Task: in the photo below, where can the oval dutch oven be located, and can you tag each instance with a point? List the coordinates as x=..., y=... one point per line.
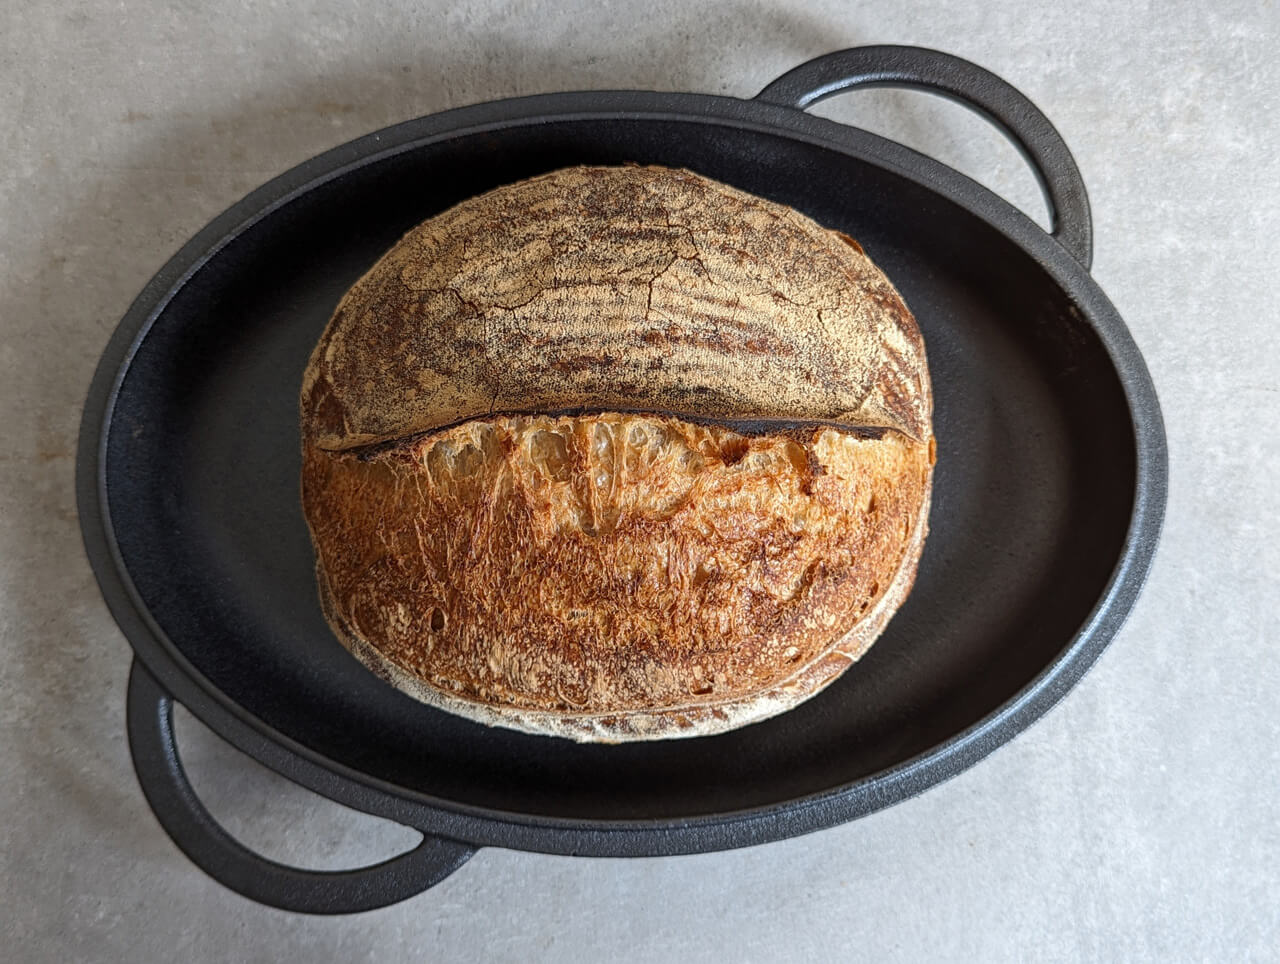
x=1049, y=489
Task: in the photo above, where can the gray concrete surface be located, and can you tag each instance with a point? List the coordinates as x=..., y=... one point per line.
x=1138, y=821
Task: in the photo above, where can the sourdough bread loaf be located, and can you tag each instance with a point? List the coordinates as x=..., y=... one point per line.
x=616, y=453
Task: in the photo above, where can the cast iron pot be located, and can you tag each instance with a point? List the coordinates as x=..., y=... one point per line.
x=1049, y=490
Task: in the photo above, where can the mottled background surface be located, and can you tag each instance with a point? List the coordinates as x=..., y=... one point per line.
x=1137, y=821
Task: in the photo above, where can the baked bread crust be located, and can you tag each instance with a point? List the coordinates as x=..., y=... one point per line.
x=617, y=454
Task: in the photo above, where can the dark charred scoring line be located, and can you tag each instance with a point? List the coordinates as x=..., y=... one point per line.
x=799, y=430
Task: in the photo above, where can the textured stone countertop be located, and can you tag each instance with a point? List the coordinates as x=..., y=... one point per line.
x=1137, y=821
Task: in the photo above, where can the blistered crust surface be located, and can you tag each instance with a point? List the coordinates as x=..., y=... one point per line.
x=613, y=563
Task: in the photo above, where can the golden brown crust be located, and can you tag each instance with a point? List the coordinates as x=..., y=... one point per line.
x=698, y=715
x=616, y=575
x=612, y=565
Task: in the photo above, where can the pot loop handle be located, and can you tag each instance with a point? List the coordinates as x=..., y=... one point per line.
x=974, y=87
x=198, y=835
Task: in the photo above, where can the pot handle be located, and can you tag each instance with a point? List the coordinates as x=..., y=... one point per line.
x=185, y=819
x=976, y=88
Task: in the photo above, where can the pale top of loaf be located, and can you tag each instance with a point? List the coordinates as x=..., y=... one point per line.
x=622, y=289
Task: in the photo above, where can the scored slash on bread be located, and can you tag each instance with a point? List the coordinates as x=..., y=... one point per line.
x=617, y=453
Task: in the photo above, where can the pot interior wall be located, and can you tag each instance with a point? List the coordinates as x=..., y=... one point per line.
x=1033, y=490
